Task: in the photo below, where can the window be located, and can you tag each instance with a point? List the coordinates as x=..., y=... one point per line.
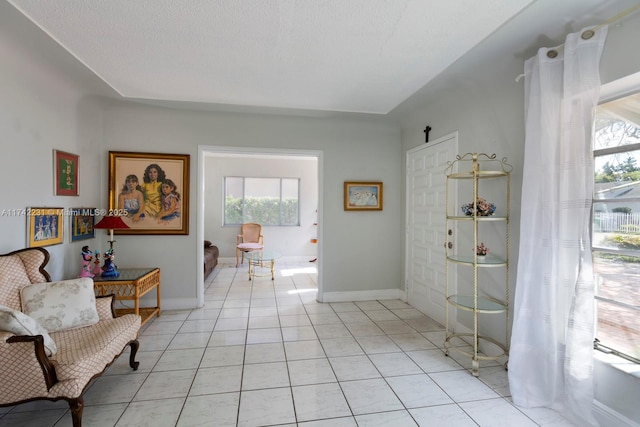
x=616, y=227
x=267, y=201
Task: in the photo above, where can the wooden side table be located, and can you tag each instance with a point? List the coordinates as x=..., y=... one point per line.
x=132, y=284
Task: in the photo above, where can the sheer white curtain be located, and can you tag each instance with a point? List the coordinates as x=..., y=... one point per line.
x=550, y=363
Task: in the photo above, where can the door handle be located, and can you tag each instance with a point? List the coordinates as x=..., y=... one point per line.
x=449, y=245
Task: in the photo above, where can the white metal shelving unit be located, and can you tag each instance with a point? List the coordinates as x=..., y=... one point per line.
x=470, y=170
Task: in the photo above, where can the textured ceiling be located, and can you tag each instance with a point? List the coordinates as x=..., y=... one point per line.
x=329, y=55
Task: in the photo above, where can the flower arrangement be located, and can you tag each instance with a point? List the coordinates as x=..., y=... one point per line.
x=482, y=250
x=484, y=208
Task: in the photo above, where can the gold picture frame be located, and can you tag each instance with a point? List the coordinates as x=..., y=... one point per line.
x=363, y=196
x=137, y=185
x=44, y=226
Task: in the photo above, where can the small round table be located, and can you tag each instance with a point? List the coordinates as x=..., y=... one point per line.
x=262, y=259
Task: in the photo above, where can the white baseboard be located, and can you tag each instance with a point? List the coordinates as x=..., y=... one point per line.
x=361, y=295
x=611, y=418
x=385, y=294
x=291, y=259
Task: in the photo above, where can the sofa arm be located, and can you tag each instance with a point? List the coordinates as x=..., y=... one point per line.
x=25, y=370
x=104, y=305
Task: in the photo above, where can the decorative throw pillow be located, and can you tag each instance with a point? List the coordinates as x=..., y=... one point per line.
x=19, y=323
x=63, y=305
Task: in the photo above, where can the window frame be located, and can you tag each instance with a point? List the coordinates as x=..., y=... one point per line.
x=280, y=200
x=597, y=344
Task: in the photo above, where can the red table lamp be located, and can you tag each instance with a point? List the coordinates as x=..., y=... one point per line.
x=110, y=223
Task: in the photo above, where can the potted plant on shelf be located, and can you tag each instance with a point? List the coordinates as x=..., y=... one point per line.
x=479, y=208
x=481, y=251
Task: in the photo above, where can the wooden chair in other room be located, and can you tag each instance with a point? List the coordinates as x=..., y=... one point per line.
x=250, y=239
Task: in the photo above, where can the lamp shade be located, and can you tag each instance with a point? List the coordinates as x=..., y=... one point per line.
x=111, y=223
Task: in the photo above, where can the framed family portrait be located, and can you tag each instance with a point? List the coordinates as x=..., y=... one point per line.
x=82, y=222
x=65, y=167
x=150, y=191
x=362, y=196
x=44, y=226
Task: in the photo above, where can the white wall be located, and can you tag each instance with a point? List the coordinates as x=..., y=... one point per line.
x=45, y=106
x=42, y=109
x=478, y=97
x=362, y=250
x=289, y=240
x=485, y=106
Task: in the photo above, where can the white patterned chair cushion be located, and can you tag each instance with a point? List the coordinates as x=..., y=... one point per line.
x=84, y=352
x=59, y=306
x=19, y=323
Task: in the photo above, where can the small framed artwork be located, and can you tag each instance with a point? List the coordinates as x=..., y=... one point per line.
x=362, y=196
x=150, y=191
x=82, y=222
x=44, y=226
x=65, y=167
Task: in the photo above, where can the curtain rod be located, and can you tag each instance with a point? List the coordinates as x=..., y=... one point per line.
x=587, y=34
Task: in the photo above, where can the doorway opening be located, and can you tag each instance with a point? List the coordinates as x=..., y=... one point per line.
x=216, y=162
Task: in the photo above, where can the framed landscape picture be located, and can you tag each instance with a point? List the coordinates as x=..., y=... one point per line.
x=44, y=226
x=82, y=222
x=65, y=167
x=150, y=191
x=362, y=196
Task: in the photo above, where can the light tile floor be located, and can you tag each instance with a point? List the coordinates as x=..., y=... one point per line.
x=267, y=354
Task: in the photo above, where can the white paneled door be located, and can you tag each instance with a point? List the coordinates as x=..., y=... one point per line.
x=426, y=202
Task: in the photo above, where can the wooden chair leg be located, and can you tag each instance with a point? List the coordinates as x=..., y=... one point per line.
x=76, y=406
x=132, y=357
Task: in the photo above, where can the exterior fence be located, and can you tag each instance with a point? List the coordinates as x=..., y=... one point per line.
x=605, y=222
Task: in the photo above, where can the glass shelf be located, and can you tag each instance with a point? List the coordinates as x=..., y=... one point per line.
x=477, y=174
x=489, y=260
x=479, y=218
x=485, y=304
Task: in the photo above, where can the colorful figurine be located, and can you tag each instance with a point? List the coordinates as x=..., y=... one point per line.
x=85, y=271
x=97, y=270
x=109, y=268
